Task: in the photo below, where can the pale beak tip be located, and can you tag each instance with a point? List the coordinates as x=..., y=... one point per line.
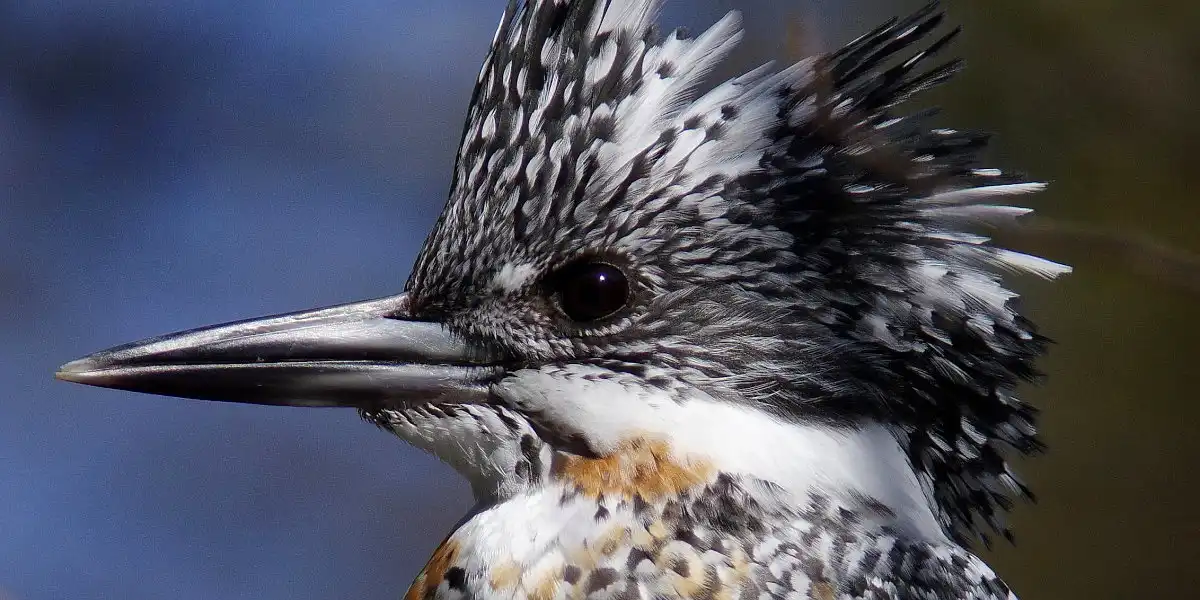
x=83, y=370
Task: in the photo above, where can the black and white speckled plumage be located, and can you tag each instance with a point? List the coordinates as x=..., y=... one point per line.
x=685, y=344
x=728, y=537
x=795, y=249
x=794, y=244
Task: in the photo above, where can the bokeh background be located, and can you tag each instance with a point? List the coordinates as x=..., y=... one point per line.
x=169, y=164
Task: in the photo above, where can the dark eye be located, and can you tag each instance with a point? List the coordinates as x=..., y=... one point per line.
x=588, y=291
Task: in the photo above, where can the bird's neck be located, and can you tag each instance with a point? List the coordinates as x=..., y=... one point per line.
x=780, y=464
x=638, y=440
x=703, y=514
x=649, y=449
x=648, y=522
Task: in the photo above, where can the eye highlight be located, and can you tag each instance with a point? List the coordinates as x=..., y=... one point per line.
x=590, y=290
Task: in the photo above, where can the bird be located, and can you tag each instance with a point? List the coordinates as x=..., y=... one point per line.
x=685, y=338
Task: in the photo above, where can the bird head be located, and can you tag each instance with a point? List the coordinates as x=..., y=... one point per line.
x=774, y=276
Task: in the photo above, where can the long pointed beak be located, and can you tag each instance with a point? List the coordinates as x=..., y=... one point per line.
x=363, y=354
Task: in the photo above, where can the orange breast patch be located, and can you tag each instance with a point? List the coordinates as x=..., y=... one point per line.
x=640, y=467
x=426, y=585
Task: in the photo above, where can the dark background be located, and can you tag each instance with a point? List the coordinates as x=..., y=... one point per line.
x=170, y=164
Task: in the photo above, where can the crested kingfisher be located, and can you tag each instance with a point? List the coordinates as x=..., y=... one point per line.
x=686, y=340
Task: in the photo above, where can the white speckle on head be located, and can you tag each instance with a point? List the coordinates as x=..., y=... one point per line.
x=513, y=276
x=1027, y=263
x=982, y=193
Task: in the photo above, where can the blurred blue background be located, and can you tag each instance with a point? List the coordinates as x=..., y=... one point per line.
x=171, y=164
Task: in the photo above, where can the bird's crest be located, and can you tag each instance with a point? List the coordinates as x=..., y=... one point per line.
x=787, y=205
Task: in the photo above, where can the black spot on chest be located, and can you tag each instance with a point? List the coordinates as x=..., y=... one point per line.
x=456, y=578
x=600, y=579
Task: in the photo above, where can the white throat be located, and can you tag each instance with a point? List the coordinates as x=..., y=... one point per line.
x=846, y=464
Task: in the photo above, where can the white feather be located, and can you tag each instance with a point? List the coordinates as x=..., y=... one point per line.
x=979, y=194
x=845, y=463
